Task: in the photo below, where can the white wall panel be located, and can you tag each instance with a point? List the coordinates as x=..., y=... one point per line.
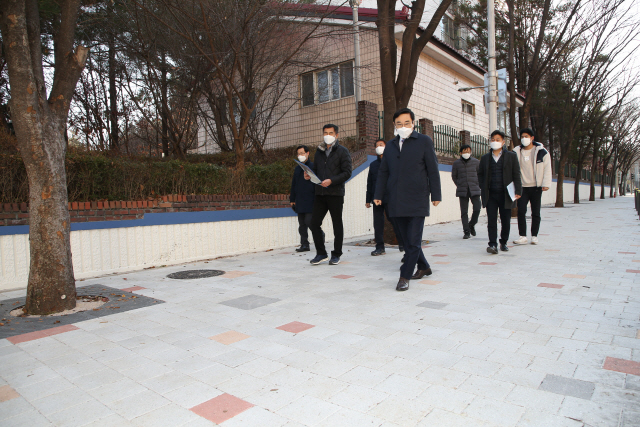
x=103, y=251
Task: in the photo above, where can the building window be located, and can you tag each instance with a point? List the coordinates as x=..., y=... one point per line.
x=453, y=34
x=468, y=108
x=326, y=85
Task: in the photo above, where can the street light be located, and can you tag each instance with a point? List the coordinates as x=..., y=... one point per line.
x=356, y=49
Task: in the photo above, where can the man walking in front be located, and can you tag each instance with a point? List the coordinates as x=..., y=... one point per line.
x=301, y=197
x=409, y=171
x=379, y=212
x=332, y=165
x=464, y=173
x=535, y=170
x=499, y=169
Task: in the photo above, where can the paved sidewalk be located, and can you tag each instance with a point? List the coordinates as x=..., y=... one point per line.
x=540, y=336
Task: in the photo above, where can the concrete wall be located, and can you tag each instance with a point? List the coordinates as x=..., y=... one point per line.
x=109, y=250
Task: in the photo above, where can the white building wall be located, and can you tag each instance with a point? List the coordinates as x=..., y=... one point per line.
x=98, y=252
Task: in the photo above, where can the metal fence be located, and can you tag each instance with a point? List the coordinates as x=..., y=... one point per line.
x=570, y=171
x=479, y=145
x=446, y=140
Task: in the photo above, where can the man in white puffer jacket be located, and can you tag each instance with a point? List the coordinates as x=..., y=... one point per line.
x=535, y=172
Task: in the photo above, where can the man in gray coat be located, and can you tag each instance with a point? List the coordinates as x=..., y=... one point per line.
x=465, y=175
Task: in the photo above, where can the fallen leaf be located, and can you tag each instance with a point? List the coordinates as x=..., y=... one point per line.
x=57, y=321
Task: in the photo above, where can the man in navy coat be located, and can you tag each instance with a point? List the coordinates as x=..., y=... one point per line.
x=302, y=194
x=409, y=170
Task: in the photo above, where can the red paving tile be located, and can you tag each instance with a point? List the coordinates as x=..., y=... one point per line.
x=550, y=285
x=622, y=365
x=7, y=393
x=633, y=271
x=295, y=327
x=342, y=276
x=221, y=408
x=17, y=339
x=133, y=289
x=487, y=263
x=439, y=255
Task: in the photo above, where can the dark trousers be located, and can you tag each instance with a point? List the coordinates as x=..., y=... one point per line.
x=379, y=213
x=495, y=204
x=322, y=205
x=304, y=222
x=464, y=211
x=531, y=195
x=411, y=229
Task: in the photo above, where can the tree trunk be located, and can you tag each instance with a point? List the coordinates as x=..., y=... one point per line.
x=388, y=61
x=512, y=75
x=576, y=185
x=40, y=126
x=592, y=182
x=560, y=183
x=113, y=94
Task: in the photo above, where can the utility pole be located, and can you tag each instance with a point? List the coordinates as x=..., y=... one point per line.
x=356, y=49
x=493, y=84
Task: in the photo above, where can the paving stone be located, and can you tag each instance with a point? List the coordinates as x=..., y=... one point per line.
x=433, y=304
x=249, y=302
x=567, y=386
x=221, y=408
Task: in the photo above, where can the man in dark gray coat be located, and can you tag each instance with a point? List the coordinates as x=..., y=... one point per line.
x=409, y=170
x=499, y=168
x=464, y=173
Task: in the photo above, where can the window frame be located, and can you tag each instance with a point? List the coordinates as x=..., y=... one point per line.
x=465, y=105
x=331, y=74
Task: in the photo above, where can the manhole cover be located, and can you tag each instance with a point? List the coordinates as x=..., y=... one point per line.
x=195, y=274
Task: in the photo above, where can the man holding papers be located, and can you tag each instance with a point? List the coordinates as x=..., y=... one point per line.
x=499, y=177
x=332, y=166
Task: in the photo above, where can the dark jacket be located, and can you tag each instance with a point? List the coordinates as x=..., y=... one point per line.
x=372, y=179
x=302, y=191
x=410, y=176
x=510, y=173
x=465, y=175
x=336, y=167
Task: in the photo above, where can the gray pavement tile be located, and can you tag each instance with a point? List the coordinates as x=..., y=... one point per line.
x=567, y=386
x=249, y=302
x=433, y=304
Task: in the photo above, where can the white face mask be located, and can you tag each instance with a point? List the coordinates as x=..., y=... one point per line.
x=379, y=150
x=496, y=145
x=404, y=132
x=302, y=159
x=466, y=156
x=525, y=142
x=328, y=139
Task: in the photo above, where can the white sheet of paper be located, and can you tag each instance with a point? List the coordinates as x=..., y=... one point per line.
x=512, y=191
x=309, y=172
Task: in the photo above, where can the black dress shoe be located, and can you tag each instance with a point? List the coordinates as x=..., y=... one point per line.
x=504, y=248
x=421, y=273
x=492, y=249
x=467, y=235
x=403, y=285
x=303, y=249
x=472, y=230
x=378, y=252
x=401, y=248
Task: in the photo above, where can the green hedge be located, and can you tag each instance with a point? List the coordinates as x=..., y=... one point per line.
x=95, y=176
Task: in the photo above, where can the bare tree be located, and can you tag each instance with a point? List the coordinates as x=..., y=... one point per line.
x=398, y=80
x=40, y=125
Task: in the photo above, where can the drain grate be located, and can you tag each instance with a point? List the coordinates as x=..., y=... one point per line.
x=195, y=274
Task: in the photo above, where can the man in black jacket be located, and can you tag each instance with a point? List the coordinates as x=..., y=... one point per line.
x=332, y=165
x=301, y=197
x=379, y=211
x=498, y=169
x=464, y=173
x=409, y=170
